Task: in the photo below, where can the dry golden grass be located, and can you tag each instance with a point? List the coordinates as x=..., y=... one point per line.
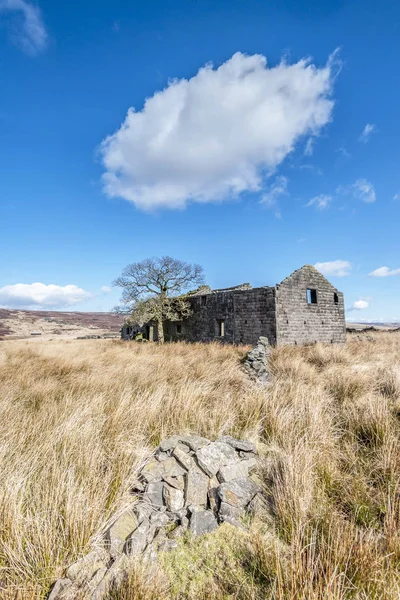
x=78, y=417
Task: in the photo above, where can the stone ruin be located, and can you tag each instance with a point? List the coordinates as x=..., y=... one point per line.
x=256, y=361
x=189, y=484
x=304, y=308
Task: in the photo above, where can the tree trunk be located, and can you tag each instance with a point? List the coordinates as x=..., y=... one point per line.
x=160, y=331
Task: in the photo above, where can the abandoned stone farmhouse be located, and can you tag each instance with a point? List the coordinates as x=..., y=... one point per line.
x=303, y=309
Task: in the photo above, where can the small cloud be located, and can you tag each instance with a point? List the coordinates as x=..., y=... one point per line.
x=335, y=268
x=321, y=202
x=360, y=305
x=29, y=32
x=106, y=289
x=344, y=152
x=40, y=295
x=116, y=26
x=277, y=189
x=362, y=189
x=368, y=129
x=396, y=196
x=309, y=149
x=384, y=272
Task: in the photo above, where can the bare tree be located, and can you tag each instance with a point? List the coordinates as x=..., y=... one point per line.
x=154, y=290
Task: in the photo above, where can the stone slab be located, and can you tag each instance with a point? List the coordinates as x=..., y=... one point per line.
x=214, y=456
x=238, y=492
x=202, y=522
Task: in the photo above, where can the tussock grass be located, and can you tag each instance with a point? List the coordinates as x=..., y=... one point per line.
x=77, y=419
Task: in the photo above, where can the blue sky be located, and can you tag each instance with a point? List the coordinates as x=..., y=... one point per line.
x=283, y=151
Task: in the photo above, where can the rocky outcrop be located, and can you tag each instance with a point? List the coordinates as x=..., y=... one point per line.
x=256, y=361
x=190, y=483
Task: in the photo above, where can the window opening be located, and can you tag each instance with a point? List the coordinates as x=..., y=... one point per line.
x=178, y=328
x=203, y=300
x=311, y=296
x=335, y=298
x=221, y=328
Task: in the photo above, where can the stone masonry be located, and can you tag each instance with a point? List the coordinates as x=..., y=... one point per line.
x=303, y=309
x=190, y=484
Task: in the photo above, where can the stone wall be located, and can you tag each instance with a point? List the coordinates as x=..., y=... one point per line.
x=255, y=316
x=190, y=483
x=208, y=311
x=246, y=315
x=299, y=322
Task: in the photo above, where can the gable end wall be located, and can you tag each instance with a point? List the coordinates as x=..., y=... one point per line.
x=301, y=323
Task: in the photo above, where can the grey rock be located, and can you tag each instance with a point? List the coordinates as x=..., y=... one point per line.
x=180, y=514
x=58, y=588
x=184, y=459
x=159, y=519
x=159, y=538
x=258, y=365
x=119, y=531
x=250, y=463
x=167, y=545
x=152, y=470
x=183, y=447
x=161, y=456
x=196, y=490
x=230, y=514
x=96, y=579
x=233, y=471
x=259, y=505
x=214, y=456
x=137, y=541
x=195, y=442
x=177, y=532
x=144, y=511
x=238, y=444
x=154, y=494
x=173, y=498
x=202, y=522
x=171, y=468
x=169, y=443
x=84, y=568
x=175, y=482
x=238, y=492
x=114, y=575
x=156, y=471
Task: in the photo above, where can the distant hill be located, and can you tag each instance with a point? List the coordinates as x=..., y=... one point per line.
x=54, y=324
x=373, y=324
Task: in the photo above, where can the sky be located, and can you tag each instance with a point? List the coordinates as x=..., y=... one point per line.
x=248, y=136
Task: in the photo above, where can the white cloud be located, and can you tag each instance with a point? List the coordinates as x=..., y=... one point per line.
x=336, y=268
x=321, y=202
x=384, y=272
x=362, y=189
x=276, y=190
x=368, y=129
x=218, y=134
x=309, y=147
x=360, y=305
x=29, y=32
x=39, y=295
x=106, y=289
x=396, y=196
